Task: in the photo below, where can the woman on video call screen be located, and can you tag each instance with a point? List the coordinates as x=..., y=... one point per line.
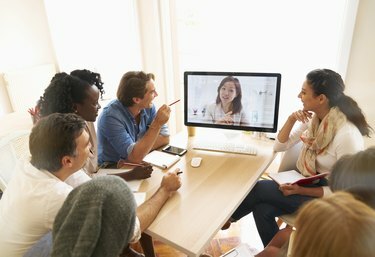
x=227, y=109
x=242, y=100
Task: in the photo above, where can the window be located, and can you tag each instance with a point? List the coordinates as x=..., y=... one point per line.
x=291, y=37
x=101, y=36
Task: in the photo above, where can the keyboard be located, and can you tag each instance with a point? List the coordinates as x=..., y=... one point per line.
x=227, y=147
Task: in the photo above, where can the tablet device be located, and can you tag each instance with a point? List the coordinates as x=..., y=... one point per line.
x=174, y=150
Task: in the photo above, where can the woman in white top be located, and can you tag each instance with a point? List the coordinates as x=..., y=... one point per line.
x=332, y=126
x=227, y=110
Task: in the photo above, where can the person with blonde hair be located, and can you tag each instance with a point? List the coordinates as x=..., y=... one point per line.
x=338, y=225
x=353, y=173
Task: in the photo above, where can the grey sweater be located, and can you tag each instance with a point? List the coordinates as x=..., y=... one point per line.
x=97, y=219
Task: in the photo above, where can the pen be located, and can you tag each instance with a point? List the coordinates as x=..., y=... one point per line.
x=174, y=102
x=131, y=164
x=178, y=173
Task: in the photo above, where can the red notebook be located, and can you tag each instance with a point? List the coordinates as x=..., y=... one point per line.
x=294, y=177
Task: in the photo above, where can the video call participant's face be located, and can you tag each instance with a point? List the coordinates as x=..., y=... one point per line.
x=150, y=95
x=227, y=92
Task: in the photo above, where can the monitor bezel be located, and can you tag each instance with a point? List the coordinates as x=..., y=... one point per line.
x=220, y=73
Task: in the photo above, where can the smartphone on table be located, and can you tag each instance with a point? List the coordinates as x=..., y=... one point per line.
x=174, y=150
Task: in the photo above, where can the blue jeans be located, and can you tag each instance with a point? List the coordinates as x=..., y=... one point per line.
x=267, y=202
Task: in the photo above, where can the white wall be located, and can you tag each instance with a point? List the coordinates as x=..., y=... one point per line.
x=24, y=39
x=360, y=77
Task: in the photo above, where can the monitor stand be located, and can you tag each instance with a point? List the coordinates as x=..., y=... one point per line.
x=259, y=135
x=231, y=134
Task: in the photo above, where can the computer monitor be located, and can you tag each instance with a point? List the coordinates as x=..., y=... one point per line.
x=232, y=100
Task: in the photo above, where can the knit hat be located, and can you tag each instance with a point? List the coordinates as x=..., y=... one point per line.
x=96, y=219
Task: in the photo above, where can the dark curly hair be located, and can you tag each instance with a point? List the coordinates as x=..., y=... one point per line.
x=92, y=78
x=62, y=93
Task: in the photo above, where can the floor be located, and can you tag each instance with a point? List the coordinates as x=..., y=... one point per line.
x=244, y=231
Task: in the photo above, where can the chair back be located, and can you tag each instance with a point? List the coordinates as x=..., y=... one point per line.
x=289, y=162
x=14, y=147
x=290, y=157
x=15, y=121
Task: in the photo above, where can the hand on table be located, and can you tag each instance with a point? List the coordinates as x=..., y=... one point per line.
x=171, y=181
x=140, y=172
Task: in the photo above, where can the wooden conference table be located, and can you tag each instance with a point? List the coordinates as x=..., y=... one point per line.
x=209, y=194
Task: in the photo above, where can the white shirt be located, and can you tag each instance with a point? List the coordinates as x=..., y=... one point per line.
x=29, y=206
x=215, y=113
x=348, y=140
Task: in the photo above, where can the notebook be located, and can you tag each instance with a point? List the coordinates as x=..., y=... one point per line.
x=294, y=177
x=161, y=159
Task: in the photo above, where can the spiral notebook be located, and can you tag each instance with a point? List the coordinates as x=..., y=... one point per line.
x=161, y=159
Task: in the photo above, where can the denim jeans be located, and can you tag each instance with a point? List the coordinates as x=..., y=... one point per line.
x=267, y=202
x=42, y=248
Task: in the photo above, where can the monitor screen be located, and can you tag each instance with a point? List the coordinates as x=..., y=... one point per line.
x=232, y=100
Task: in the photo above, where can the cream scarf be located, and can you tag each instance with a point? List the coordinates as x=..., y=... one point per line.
x=317, y=138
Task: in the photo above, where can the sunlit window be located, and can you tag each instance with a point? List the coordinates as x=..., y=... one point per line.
x=98, y=35
x=290, y=37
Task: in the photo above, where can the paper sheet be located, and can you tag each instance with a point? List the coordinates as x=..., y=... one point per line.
x=140, y=197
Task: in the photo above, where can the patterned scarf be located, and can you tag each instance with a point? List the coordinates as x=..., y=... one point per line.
x=317, y=138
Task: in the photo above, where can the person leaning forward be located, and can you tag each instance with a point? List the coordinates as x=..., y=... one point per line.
x=130, y=127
